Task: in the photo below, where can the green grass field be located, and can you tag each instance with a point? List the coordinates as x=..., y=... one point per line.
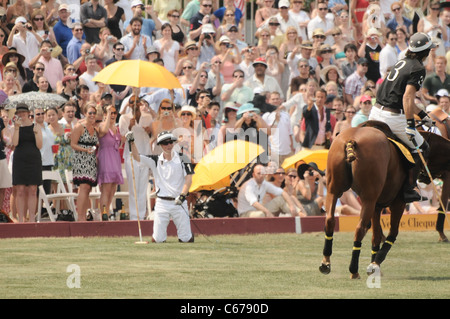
x=264, y=266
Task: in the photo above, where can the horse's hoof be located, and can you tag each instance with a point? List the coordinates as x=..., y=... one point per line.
x=325, y=268
x=355, y=276
x=443, y=239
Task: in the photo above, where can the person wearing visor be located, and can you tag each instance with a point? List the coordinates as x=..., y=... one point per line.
x=173, y=178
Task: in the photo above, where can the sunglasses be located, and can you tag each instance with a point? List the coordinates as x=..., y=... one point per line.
x=173, y=16
x=38, y=114
x=319, y=36
x=323, y=9
x=280, y=173
x=120, y=49
x=396, y=9
x=292, y=176
x=38, y=19
x=70, y=69
x=39, y=69
x=187, y=67
x=207, y=5
x=92, y=113
x=186, y=114
x=166, y=108
x=166, y=143
x=350, y=112
x=274, y=24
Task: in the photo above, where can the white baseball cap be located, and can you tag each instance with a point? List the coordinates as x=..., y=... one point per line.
x=20, y=20
x=135, y=3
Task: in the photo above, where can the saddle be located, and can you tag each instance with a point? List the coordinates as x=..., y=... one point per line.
x=401, y=147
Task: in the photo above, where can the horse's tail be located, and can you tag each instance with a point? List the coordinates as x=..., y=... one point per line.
x=350, y=151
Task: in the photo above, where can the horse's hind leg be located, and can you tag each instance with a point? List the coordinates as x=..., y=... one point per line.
x=330, y=223
x=367, y=212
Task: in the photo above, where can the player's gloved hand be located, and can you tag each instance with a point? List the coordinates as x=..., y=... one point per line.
x=129, y=136
x=427, y=121
x=411, y=132
x=180, y=199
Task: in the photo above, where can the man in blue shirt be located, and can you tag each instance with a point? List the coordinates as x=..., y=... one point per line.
x=148, y=25
x=63, y=33
x=74, y=45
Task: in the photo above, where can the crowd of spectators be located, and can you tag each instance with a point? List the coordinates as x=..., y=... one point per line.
x=310, y=70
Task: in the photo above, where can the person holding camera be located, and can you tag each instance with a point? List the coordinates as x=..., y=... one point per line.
x=53, y=68
x=370, y=49
x=229, y=58
x=310, y=188
x=25, y=40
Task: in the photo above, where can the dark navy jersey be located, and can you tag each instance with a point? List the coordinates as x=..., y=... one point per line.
x=404, y=72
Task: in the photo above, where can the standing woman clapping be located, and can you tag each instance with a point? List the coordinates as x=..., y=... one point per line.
x=109, y=161
x=27, y=163
x=84, y=142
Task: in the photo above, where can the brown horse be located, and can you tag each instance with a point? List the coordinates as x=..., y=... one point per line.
x=362, y=158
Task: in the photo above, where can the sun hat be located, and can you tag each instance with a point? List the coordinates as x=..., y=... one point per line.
x=190, y=109
x=247, y=107
x=302, y=168
x=12, y=51
x=22, y=107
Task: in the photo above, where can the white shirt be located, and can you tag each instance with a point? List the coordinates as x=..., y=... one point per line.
x=154, y=99
x=280, y=138
x=139, y=52
x=298, y=17
x=87, y=78
x=325, y=25
x=48, y=139
x=251, y=193
x=141, y=137
x=388, y=57
x=270, y=84
x=28, y=48
x=169, y=175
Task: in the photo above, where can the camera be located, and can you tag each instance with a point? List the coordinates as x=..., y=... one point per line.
x=229, y=45
x=87, y=51
x=311, y=173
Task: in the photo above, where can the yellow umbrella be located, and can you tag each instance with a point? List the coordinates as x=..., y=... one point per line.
x=214, y=169
x=137, y=73
x=319, y=157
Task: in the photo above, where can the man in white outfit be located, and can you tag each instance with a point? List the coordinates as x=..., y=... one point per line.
x=139, y=123
x=173, y=178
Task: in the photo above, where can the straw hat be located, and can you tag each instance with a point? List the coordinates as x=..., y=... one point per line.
x=190, y=109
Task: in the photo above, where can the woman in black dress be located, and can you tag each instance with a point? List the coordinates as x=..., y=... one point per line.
x=115, y=14
x=27, y=163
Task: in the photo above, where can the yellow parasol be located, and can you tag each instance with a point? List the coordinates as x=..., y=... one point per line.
x=318, y=156
x=137, y=73
x=214, y=169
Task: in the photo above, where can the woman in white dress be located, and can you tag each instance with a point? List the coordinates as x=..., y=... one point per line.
x=168, y=48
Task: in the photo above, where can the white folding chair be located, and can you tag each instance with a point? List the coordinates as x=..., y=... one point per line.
x=56, y=198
